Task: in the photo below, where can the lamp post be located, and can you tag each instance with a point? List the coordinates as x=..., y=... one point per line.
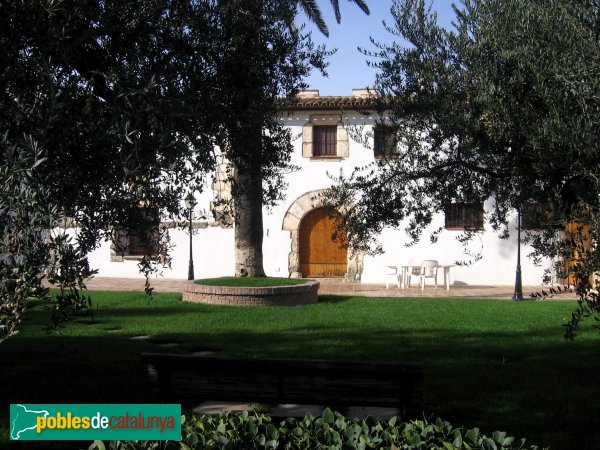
x=190, y=202
x=518, y=294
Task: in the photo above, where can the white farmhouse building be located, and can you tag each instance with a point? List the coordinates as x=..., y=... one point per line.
x=322, y=144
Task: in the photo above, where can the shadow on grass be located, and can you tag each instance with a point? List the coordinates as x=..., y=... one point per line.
x=529, y=383
x=493, y=381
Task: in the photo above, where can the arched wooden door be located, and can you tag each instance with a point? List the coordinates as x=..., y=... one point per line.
x=320, y=255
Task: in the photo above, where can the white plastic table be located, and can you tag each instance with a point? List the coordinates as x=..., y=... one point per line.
x=446, y=268
x=403, y=271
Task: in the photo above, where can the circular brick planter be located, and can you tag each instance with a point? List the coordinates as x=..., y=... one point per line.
x=299, y=294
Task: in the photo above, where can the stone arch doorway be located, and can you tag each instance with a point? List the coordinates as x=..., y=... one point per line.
x=320, y=255
x=291, y=222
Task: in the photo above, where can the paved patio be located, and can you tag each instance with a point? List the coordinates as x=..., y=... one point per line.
x=336, y=287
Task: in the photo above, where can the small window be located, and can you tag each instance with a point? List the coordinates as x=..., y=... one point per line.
x=462, y=216
x=384, y=140
x=141, y=237
x=325, y=140
x=139, y=241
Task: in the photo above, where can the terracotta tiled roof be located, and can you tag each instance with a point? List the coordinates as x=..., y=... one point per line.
x=330, y=103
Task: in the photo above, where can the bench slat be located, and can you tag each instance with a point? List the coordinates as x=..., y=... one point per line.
x=362, y=383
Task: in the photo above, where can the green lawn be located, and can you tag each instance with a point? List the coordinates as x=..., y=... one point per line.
x=492, y=364
x=249, y=281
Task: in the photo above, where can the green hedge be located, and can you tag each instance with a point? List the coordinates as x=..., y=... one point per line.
x=330, y=431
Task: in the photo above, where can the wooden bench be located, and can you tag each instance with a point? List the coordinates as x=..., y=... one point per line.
x=189, y=379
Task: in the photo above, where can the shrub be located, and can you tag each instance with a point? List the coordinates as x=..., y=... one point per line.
x=330, y=431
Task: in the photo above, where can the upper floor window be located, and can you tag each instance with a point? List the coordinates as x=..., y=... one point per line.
x=325, y=140
x=464, y=216
x=384, y=140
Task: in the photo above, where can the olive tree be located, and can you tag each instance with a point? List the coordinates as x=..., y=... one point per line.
x=262, y=64
x=112, y=110
x=504, y=105
x=104, y=107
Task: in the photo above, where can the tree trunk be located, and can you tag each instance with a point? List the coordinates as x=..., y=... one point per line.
x=248, y=224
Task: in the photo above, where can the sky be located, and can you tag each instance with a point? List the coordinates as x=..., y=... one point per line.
x=348, y=68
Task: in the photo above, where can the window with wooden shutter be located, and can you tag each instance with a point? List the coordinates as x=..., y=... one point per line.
x=463, y=216
x=384, y=140
x=141, y=237
x=324, y=140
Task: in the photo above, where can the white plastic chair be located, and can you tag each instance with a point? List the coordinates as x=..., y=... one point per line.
x=393, y=276
x=429, y=269
x=413, y=271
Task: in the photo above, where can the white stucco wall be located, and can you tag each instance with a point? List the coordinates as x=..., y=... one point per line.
x=497, y=265
x=213, y=246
